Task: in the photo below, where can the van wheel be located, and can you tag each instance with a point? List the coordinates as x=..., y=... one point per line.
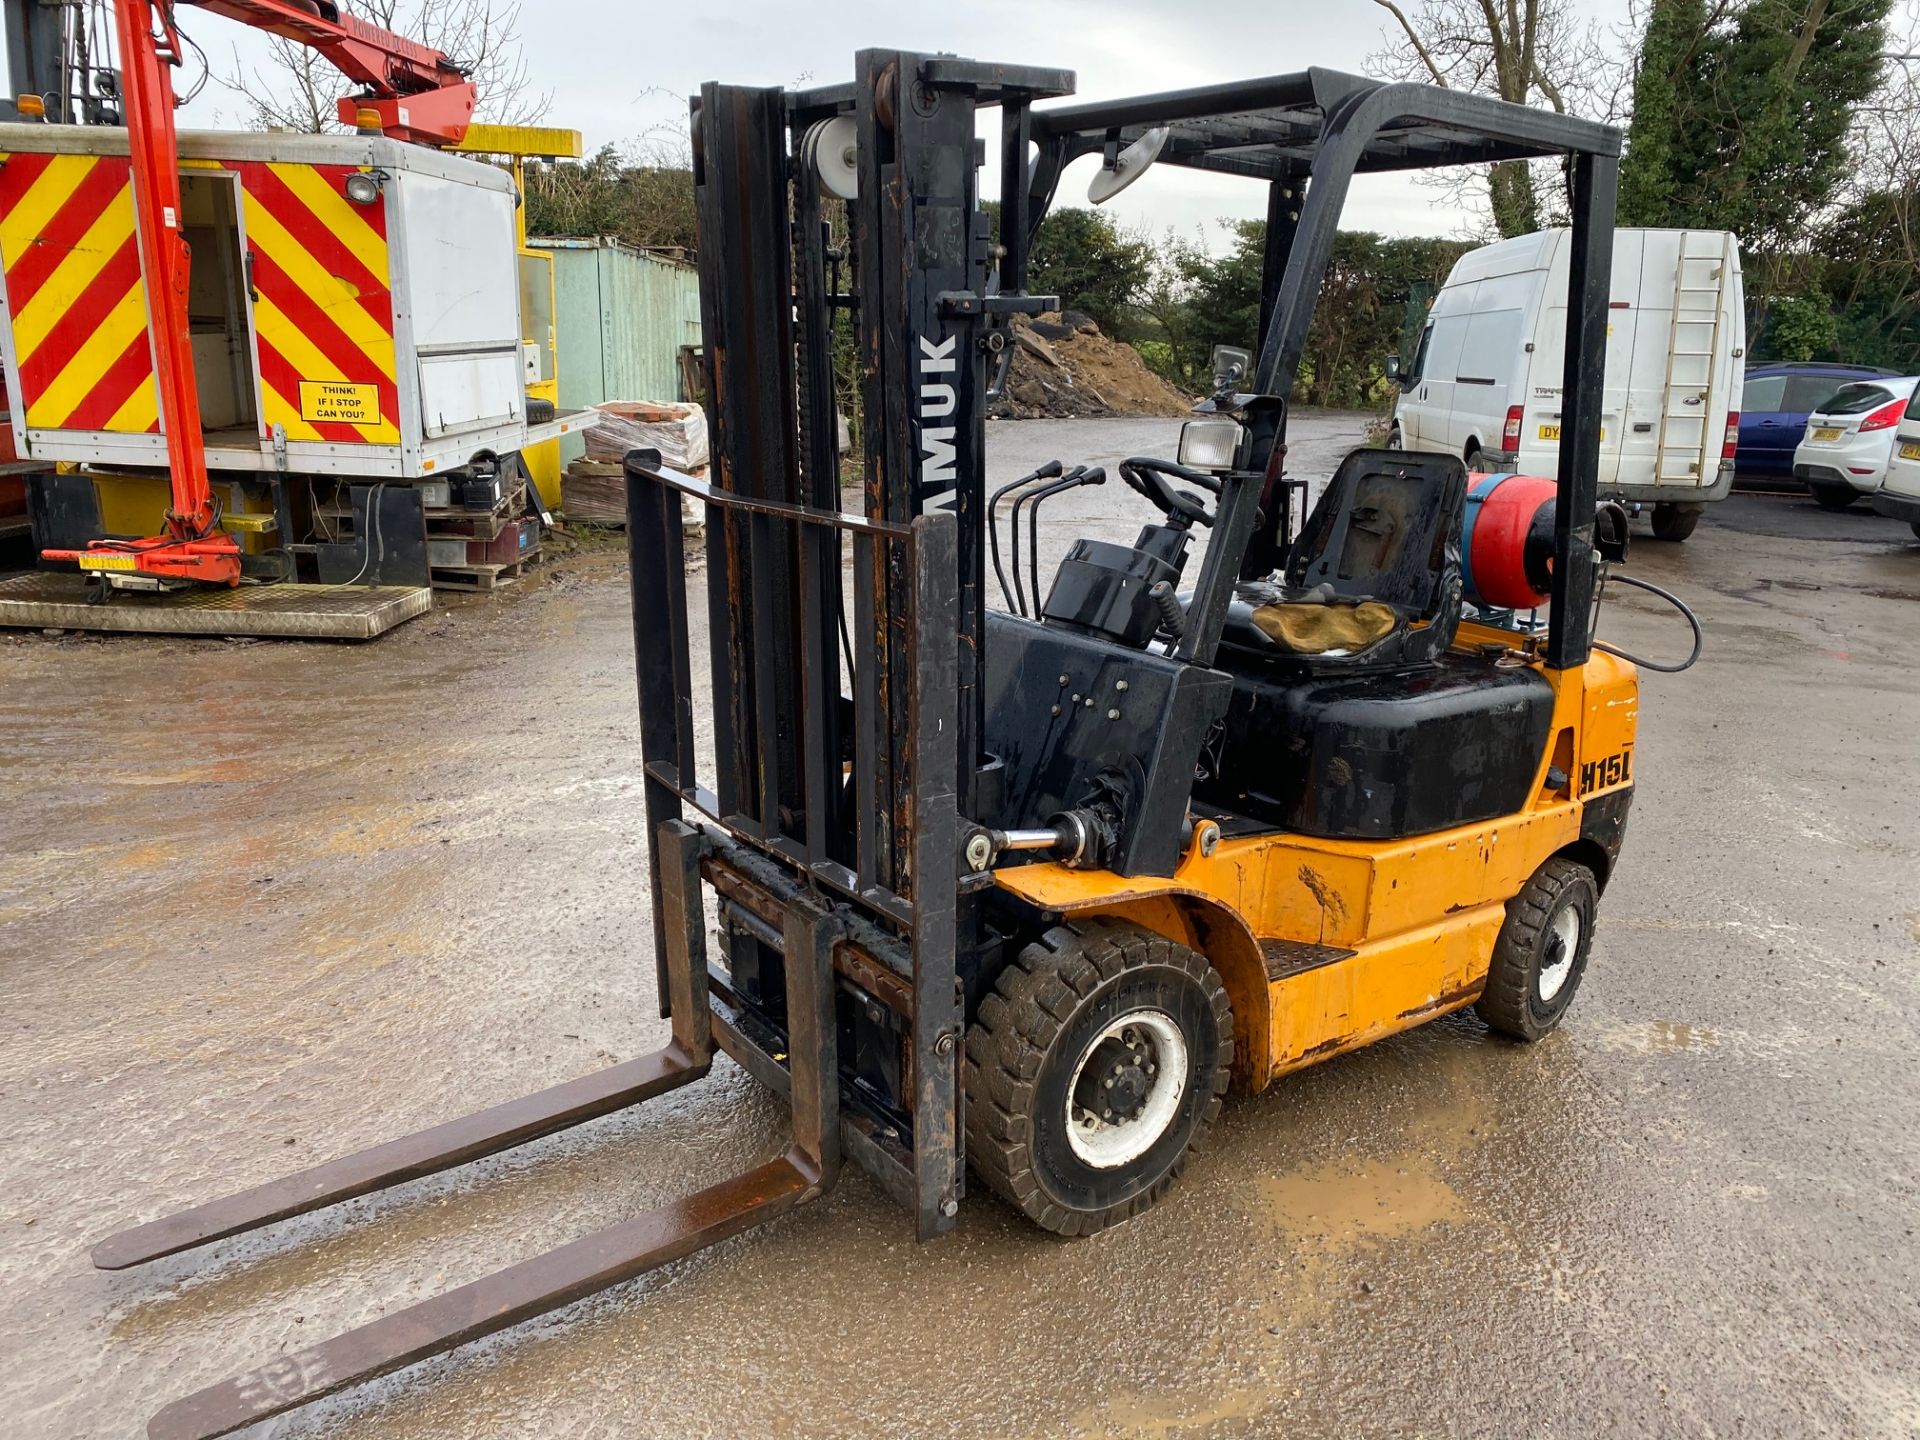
x=1915, y=527
x=1094, y=1070
x=1833, y=497
x=1393, y=438
x=1675, y=522
x=1476, y=462
x=1542, y=951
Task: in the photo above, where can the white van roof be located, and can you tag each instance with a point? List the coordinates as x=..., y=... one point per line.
x=1506, y=257
x=1528, y=252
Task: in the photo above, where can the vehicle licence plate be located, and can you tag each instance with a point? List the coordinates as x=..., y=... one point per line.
x=1552, y=432
x=1825, y=432
x=1910, y=449
x=106, y=562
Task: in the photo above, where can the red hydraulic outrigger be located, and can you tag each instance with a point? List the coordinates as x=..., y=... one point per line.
x=412, y=92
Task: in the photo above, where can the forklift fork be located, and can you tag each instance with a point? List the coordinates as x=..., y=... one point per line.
x=583, y=1267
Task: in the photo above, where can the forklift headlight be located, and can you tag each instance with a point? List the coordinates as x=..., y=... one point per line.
x=1209, y=444
x=363, y=187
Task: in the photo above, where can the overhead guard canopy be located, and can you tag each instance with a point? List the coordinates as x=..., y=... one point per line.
x=1272, y=127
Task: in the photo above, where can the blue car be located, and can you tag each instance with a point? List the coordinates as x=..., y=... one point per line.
x=1774, y=406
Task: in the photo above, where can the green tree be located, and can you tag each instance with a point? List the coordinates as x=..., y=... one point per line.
x=1374, y=284
x=1868, y=263
x=1801, y=327
x=1083, y=258
x=1763, y=104
x=643, y=197
x=1223, y=292
x=1676, y=29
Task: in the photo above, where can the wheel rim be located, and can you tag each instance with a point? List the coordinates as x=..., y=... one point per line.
x=1126, y=1089
x=1563, y=943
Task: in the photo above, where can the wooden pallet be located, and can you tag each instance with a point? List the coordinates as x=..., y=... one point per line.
x=482, y=578
x=448, y=523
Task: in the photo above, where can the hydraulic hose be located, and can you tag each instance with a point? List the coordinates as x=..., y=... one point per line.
x=1678, y=604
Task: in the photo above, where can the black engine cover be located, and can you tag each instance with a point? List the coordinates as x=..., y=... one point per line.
x=1381, y=756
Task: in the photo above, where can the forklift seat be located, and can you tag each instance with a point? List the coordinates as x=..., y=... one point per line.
x=1383, y=541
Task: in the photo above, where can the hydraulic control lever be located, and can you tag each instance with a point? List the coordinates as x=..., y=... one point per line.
x=1079, y=475
x=1049, y=471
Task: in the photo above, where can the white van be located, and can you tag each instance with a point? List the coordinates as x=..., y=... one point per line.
x=1484, y=383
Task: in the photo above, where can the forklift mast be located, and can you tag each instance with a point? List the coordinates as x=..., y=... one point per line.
x=850, y=782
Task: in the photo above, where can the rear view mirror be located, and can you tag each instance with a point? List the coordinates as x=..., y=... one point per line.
x=1230, y=364
x=1393, y=368
x=1209, y=444
x=1610, y=531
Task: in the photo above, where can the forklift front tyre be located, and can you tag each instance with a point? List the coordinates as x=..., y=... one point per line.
x=1095, y=1069
x=1542, y=951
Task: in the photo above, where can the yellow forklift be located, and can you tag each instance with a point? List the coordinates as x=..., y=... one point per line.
x=1028, y=895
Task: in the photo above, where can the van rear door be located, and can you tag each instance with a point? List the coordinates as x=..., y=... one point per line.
x=1540, y=429
x=1698, y=271
x=1640, y=322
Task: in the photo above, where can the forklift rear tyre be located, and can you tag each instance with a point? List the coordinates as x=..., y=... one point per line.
x=1094, y=1070
x=1542, y=951
x=1674, y=522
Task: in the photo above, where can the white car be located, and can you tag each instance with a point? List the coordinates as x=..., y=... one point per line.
x=1899, y=494
x=1844, y=453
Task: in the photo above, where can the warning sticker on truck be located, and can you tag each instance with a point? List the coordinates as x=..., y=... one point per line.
x=340, y=402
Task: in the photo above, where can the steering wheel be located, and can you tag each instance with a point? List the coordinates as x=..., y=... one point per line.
x=1151, y=478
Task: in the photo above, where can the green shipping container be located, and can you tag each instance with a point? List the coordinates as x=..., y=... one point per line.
x=620, y=317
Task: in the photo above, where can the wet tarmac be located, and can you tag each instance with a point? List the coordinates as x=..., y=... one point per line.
x=263, y=903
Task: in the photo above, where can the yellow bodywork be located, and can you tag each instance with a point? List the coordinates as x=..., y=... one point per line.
x=518, y=144
x=1419, y=915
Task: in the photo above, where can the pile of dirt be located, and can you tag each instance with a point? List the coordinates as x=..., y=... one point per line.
x=1064, y=367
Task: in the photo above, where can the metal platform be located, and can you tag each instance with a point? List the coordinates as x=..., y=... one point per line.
x=305, y=612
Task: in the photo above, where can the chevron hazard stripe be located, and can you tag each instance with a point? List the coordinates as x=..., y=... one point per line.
x=323, y=316
x=78, y=308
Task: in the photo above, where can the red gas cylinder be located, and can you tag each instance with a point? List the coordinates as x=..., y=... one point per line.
x=1506, y=545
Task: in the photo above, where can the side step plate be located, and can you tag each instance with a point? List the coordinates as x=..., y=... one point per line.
x=496, y=1302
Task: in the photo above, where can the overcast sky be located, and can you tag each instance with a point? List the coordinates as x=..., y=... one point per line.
x=616, y=70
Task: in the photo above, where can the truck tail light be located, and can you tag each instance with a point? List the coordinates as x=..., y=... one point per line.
x=1732, y=443
x=1510, y=432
